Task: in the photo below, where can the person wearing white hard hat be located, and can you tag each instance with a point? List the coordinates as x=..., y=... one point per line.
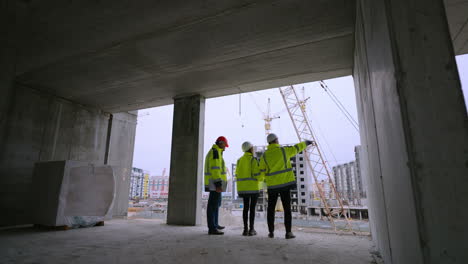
x=275, y=164
x=248, y=181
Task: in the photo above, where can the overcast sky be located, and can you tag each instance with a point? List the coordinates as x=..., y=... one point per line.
x=240, y=118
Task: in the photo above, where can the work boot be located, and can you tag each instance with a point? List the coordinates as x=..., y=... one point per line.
x=220, y=227
x=252, y=232
x=271, y=235
x=245, y=233
x=215, y=232
x=289, y=235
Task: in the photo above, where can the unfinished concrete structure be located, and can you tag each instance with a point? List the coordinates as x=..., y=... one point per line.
x=71, y=71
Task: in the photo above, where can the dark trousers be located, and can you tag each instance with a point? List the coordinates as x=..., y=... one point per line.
x=212, y=210
x=250, y=202
x=286, y=200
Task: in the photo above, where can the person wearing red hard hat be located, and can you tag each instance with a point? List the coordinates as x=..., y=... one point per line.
x=222, y=139
x=215, y=183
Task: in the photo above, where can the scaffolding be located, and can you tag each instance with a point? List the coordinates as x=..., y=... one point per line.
x=319, y=170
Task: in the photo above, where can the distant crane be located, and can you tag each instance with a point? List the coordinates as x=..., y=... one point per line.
x=267, y=117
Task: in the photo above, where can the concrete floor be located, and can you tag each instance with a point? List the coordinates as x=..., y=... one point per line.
x=152, y=241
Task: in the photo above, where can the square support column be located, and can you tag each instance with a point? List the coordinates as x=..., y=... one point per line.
x=414, y=129
x=186, y=170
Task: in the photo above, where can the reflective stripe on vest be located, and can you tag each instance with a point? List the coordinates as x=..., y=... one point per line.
x=284, y=158
x=266, y=163
x=278, y=172
x=223, y=167
x=246, y=179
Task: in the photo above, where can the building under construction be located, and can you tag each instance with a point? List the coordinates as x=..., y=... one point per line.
x=73, y=73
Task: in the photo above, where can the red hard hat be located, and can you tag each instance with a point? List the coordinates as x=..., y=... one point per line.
x=223, y=139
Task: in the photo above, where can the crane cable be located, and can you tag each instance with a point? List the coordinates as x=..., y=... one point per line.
x=320, y=134
x=340, y=106
x=343, y=107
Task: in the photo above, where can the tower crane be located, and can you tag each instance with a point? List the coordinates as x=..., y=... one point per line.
x=267, y=117
x=319, y=170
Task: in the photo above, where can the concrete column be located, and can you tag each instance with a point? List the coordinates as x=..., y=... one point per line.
x=185, y=182
x=414, y=130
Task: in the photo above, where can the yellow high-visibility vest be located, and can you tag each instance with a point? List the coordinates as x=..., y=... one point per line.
x=248, y=177
x=276, y=167
x=215, y=169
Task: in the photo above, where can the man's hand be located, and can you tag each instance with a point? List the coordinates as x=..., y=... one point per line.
x=310, y=142
x=218, y=189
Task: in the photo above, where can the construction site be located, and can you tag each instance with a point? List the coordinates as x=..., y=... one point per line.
x=78, y=79
x=314, y=198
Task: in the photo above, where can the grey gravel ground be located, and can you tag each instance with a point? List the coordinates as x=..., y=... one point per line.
x=152, y=241
x=234, y=218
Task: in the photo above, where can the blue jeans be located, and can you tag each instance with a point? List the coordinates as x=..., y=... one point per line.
x=212, y=210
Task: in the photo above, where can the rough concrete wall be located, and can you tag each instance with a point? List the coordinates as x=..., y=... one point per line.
x=41, y=127
x=7, y=61
x=120, y=157
x=393, y=205
x=436, y=125
x=370, y=162
x=414, y=128
x=390, y=191
x=9, y=30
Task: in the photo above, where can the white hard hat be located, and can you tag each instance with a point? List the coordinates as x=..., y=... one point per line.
x=246, y=146
x=271, y=137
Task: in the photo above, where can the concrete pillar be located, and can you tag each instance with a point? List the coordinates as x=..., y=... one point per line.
x=186, y=170
x=414, y=131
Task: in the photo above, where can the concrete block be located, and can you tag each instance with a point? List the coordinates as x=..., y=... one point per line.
x=71, y=193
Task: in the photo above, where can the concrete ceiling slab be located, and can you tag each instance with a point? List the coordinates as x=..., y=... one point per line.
x=119, y=55
x=56, y=31
x=256, y=43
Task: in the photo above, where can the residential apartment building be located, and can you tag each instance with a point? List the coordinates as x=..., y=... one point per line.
x=139, y=182
x=159, y=187
x=348, y=181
